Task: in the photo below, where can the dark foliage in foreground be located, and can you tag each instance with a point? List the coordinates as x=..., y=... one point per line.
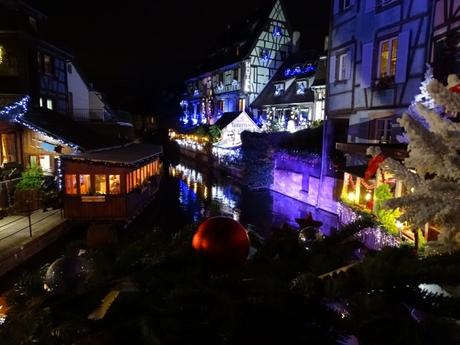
x=280, y=296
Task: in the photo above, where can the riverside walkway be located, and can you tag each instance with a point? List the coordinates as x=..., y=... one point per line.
x=19, y=241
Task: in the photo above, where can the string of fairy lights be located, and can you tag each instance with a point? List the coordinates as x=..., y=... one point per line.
x=16, y=111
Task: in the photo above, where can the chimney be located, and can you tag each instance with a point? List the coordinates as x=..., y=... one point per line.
x=295, y=41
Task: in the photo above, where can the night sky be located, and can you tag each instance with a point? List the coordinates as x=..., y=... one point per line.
x=139, y=52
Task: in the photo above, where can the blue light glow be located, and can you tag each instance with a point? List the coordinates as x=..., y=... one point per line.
x=276, y=31
x=298, y=70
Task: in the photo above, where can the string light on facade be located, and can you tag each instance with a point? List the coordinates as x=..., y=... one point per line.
x=17, y=110
x=368, y=196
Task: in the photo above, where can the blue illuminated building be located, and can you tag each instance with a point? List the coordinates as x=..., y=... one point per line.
x=235, y=73
x=377, y=57
x=294, y=98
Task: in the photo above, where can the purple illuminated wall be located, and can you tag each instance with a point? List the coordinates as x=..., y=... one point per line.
x=300, y=180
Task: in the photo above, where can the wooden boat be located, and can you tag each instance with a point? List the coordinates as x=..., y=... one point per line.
x=110, y=184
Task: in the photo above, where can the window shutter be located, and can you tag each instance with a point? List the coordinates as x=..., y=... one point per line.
x=403, y=56
x=370, y=6
x=366, y=65
x=336, y=6
x=332, y=68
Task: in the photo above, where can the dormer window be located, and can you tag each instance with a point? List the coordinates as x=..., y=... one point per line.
x=301, y=87
x=279, y=89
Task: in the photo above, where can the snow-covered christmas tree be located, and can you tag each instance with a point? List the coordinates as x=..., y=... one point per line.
x=432, y=171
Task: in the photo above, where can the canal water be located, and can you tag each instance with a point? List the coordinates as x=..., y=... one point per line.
x=190, y=193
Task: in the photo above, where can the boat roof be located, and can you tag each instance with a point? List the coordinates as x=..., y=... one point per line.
x=131, y=154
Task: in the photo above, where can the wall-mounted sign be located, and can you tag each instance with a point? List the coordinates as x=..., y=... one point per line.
x=93, y=198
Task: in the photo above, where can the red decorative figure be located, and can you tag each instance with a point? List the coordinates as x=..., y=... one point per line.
x=455, y=88
x=222, y=242
x=373, y=164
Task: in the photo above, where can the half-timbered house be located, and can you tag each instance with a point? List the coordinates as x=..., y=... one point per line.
x=445, y=48
x=294, y=98
x=378, y=51
x=235, y=74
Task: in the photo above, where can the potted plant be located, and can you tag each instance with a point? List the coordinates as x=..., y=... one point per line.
x=28, y=190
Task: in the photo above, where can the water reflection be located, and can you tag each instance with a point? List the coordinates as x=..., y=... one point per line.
x=204, y=194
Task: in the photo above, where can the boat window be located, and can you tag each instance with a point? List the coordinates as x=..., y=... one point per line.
x=71, y=184
x=85, y=184
x=114, y=182
x=101, y=184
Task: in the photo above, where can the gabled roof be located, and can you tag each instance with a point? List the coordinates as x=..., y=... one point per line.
x=302, y=60
x=238, y=41
x=64, y=128
x=227, y=118
x=130, y=154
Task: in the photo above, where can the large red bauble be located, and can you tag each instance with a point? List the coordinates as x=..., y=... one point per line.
x=222, y=241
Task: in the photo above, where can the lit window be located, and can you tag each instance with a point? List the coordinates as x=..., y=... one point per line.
x=128, y=184
x=8, y=147
x=279, y=89
x=301, y=87
x=114, y=183
x=45, y=162
x=341, y=71
x=2, y=55
x=85, y=184
x=241, y=104
x=387, y=57
x=41, y=102
x=47, y=64
x=49, y=104
x=383, y=130
x=100, y=184
x=137, y=177
x=71, y=184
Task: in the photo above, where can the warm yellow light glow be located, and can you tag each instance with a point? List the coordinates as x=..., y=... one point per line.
x=2, y=55
x=412, y=189
x=351, y=196
x=368, y=196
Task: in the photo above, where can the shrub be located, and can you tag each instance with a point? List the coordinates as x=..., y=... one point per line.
x=32, y=178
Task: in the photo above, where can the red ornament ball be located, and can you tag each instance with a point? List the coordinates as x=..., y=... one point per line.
x=222, y=241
